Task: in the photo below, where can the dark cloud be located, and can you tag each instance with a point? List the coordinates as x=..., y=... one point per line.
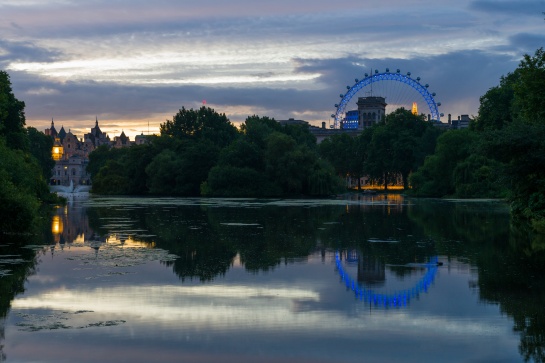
x=25, y=51
x=459, y=79
x=527, y=43
x=510, y=7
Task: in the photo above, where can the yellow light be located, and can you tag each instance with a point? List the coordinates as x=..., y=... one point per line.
x=56, y=225
x=415, y=108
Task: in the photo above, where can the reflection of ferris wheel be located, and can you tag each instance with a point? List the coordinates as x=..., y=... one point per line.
x=399, y=91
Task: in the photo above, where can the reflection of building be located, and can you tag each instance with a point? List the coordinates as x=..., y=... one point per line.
x=371, y=271
x=70, y=225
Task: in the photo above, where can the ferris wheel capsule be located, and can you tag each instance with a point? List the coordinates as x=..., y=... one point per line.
x=332, y=115
x=336, y=105
x=418, y=79
x=341, y=95
x=348, y=87
x=427, y=85
x=366, y=75
x=438, y=103
x=357, y=80
x=387, y=70
x=442, y=114
x=398, y=71
x=409, y=74
x=433, y=94
x=376, y=71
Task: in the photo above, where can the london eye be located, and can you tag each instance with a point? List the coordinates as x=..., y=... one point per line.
x=398, y=90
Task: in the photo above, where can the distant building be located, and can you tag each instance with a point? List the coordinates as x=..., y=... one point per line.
x=121, y=141
x=462, y=122
x=292, y=121
x=71, y=154
x=371, y=110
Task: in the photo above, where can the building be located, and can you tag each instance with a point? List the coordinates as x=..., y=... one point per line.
x=462, y=122
x=371, y=110
x=71, y=154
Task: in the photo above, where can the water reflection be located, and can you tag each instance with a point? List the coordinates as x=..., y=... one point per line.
x=70, y=227
x=266, y=268
x=371, y=273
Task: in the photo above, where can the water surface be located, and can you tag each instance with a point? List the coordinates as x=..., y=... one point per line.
x=359, y=278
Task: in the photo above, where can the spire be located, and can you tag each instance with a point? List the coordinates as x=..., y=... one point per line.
x=415, y=109
x=96, y=121
x=52, y=123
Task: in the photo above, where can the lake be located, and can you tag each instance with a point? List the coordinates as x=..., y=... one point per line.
x=359, y=278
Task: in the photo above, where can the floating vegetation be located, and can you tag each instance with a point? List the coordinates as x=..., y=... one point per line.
x=9, y=260
x=114, y=256
x=35, y=248
x=63, y=320
x=376, y=240
x=165, y=203
x=241, y=224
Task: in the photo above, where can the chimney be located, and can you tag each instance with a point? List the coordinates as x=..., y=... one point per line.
x=449, y=119
x=323, y=124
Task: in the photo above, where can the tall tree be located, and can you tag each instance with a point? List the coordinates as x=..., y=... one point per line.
x=530, y=90
x=12, y=115
x=40, y=147
x=202, y=123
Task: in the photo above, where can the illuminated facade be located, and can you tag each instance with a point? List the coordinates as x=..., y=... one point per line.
x=415, y=109
x=371, y=110
x=71, y=154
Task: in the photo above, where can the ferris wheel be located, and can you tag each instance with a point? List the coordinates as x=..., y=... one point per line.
x=398, y=90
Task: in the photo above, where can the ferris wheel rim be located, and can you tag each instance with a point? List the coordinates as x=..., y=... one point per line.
x=387, y=76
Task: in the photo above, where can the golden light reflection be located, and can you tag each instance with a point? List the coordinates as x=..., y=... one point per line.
x=128, y=241
x=57, y=226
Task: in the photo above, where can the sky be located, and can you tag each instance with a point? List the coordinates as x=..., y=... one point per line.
x=133, y=63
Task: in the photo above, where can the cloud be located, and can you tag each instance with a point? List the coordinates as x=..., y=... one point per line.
x=458, y=78
x=524, y=42
x=11, y=51
x=510, y=7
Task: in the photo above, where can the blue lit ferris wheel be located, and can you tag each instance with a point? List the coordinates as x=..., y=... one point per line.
x=399, y=90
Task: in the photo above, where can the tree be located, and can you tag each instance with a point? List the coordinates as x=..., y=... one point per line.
x=496, y=105
x=521, y=148
x=436, y=177
x=344, y=153
x=529, y=91
x=202, y=123
x=22, y=188
x=379, y=162
x=40, y=148
x=12, y=115
x=111, y=179
x=270, y=160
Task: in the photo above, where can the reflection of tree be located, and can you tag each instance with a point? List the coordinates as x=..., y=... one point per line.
x=510, y=262
x=14, y=284
x=512, y=277
x=2, y=337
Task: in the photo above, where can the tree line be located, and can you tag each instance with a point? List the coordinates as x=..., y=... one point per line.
x=25, y=165
x=200, y=152
x=502, y=154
